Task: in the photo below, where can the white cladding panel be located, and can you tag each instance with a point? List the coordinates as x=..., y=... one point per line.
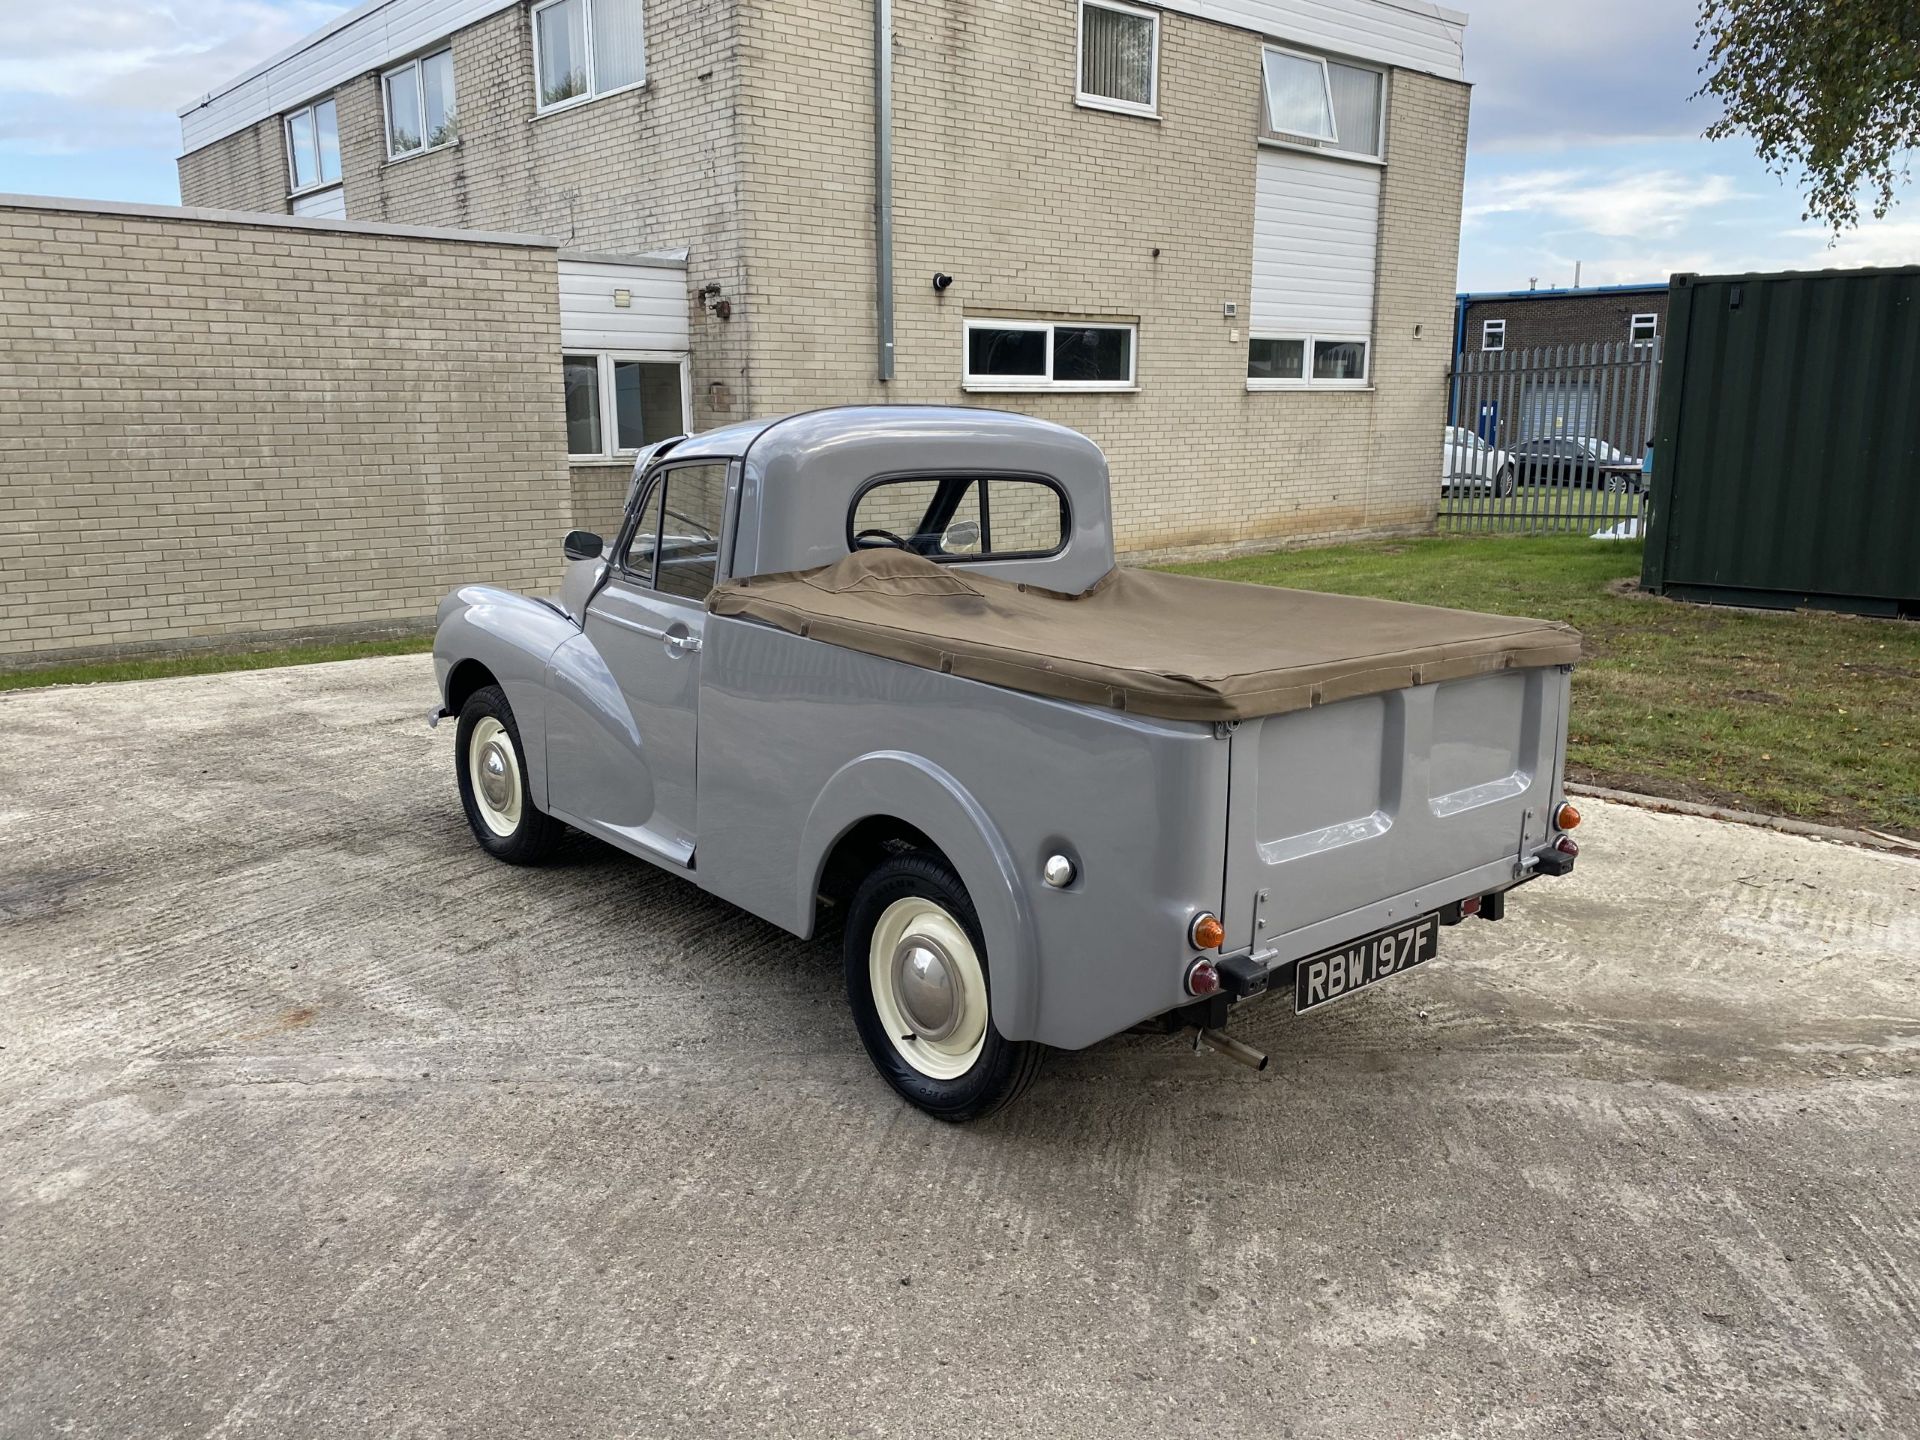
x=655, y=317
x=1406, y=33
x=328, y=204
x=363, y=39
x=1316, y=231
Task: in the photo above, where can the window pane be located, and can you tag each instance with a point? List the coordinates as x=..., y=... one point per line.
x=1023, y=517
x=646, y=403
x=436, y=78
x=642, y=547
x=327, y=126
x=403, y=111
x=300, y=149
x=1339, y=360
x=619, y=49
x=1276, y=359
x=960, y=517
x=583, y=404
x=1356, y=107
x=690, y=530
x=1088, y=353
x=1297, y=96
x=561, y=32
x=1020, y=353
x=1116, y=55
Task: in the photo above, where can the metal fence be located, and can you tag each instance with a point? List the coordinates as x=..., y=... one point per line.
x=1549, y=439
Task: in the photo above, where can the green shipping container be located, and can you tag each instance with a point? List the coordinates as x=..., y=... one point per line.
x=1786, y=465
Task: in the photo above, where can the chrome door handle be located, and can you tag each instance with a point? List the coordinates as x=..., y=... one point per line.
x=684, y=643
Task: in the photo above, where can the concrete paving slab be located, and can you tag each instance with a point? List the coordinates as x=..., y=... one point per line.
x=316, y=1121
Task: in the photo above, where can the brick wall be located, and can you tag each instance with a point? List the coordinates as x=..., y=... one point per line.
x=1038, y=207
x=655, y=168
x=222, y=428
x=1547, y=319
x=751, y=145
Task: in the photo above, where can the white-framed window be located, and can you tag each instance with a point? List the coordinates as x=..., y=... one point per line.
x=1493, y=335
x=1643, y=329
x=1323, y=104
x=1119, y=58
x=618, y=401
x=1307, y=362
x=313, y=146
x=420, y=107
x=583, y=49
x=1049, y=355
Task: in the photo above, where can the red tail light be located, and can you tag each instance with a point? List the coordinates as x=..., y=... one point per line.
x=1202, y=978
x=1567, y=845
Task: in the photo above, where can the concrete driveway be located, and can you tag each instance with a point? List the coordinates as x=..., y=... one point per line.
x=315, y=1121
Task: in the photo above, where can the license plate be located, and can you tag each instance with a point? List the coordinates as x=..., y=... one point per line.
x=1334, y=974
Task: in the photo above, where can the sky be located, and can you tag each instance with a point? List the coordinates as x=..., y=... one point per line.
x=1585, y=147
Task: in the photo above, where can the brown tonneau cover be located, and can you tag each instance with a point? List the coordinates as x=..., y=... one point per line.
x=1173, y=646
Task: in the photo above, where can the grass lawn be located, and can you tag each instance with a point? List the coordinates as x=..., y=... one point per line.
x=87, y=672
x=1813, y=716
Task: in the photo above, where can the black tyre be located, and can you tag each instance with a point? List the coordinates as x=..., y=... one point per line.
x=1506, y=483
x=491, y=765
x=917, y=980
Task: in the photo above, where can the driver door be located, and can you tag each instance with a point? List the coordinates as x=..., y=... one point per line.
x=647, y=624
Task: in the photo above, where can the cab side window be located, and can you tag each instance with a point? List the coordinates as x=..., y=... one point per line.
x=675, y=547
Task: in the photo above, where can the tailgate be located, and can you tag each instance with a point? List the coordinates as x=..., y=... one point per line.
x=1362, y=807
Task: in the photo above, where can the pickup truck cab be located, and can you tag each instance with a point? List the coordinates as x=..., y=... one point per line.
x=879, y=662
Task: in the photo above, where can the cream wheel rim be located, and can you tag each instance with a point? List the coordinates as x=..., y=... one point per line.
x=928, y=988
x=494, y=771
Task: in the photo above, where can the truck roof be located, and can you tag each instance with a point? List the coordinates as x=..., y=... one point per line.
x=790, y=437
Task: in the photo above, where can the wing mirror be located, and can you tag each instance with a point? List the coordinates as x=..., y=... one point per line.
x=962, y=538
x=582, y=545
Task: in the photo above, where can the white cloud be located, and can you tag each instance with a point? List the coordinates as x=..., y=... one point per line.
x=91, y=74
x=1624, y=205
x=1893, y=241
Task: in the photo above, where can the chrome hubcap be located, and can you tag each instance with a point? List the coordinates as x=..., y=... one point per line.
x=495, y=782
x=923, y=980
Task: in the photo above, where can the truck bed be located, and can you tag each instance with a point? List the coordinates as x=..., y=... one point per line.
x=1174, y=647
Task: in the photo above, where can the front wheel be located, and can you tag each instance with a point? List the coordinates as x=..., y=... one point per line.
x=916, y=970
x=1504, y=483
x=492, y=768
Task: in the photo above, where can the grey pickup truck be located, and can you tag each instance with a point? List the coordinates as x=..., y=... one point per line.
x=880, y=662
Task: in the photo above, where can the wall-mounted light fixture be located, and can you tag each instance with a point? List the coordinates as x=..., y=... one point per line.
x=941, y=281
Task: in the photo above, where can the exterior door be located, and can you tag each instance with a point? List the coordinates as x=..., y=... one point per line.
x=647, y=625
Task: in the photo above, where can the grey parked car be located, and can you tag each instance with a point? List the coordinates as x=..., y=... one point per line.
x=1578, y=461
x=879, y=663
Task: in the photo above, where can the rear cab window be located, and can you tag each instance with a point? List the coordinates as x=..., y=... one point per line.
x=956, y=518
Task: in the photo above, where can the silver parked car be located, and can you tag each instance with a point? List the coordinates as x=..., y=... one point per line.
x=879, y=664
x=1470, y=466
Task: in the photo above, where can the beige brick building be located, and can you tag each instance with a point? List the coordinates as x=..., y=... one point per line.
x=223, y=426
x=1218, y=236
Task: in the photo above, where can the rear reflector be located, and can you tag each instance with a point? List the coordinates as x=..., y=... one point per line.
x=1470, y=905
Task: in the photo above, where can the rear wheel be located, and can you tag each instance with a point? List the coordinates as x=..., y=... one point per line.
x=492, y=768
x=1504, y=483
x=917, y=980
